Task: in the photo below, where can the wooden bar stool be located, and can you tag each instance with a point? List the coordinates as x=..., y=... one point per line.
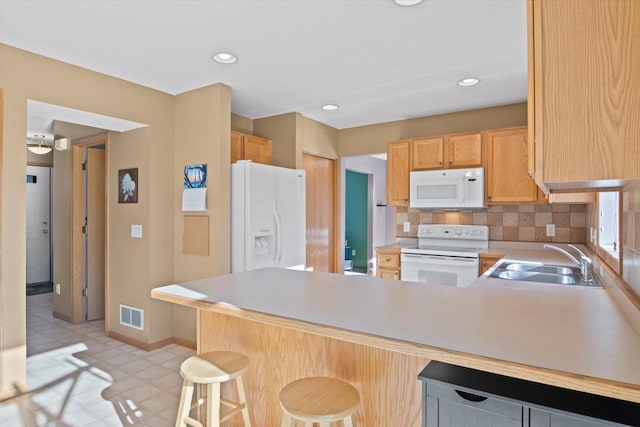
x=319, y=400
x=212, y=369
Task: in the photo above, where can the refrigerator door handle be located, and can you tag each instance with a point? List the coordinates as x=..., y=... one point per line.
x=278, y=238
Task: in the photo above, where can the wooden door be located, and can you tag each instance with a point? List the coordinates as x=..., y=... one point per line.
x=320, y=213
x=236, y=147
x=427, y=153
x=38, y=225
x=398, y=161
x=508, y=180
x=95, y=252
x=464, y=150
x=85, y=214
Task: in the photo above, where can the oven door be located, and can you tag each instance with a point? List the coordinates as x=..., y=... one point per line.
x=439, y=270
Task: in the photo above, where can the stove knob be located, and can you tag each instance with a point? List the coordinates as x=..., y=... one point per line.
x=459, y=232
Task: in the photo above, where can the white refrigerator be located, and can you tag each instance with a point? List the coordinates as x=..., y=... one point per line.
x=268, y=222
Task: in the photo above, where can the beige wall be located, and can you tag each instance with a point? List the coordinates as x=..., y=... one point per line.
x=61, y=206
x=319, y=139
x=202, y=134
x=293, y=134
x=24, y=76
x=374, y=138
x=241, y=124
x=282, y=130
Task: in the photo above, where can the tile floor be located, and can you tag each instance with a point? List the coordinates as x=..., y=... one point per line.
x=79, y=377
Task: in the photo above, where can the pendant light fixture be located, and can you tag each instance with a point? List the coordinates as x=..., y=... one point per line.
x=41, y=147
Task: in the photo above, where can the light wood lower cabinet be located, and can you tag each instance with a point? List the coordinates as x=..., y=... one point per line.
x=250, y=147
x=487, y=261
x=388, y=263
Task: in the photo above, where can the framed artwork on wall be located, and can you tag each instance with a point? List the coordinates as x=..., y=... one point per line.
x=128, y=185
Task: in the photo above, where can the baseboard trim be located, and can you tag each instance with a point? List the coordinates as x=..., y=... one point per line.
x=185, y=343
x=13, y=392
x=151, y=346
x=62, y=316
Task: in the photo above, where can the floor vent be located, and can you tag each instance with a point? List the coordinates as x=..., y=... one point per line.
x=131, y=316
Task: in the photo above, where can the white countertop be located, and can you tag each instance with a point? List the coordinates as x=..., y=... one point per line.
x=575, y=330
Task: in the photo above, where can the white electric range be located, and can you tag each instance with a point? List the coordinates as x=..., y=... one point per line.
x=445, y=255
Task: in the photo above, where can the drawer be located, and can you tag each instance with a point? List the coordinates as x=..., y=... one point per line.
x=389, y=260
x=449, y=406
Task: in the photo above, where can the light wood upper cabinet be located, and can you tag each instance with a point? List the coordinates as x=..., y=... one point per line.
x=249, y=147
x=236, y=147
x=449, y=151
x=398, y=161
x=464, y=150
x=507, y=179
x=427, y=153
x=584, y=92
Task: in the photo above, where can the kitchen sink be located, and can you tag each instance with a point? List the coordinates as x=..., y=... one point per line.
x=541, y=273
x=551, y=269
x=529, y=276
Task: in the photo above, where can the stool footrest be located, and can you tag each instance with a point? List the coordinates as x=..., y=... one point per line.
x=192, y=422
x=231, y=413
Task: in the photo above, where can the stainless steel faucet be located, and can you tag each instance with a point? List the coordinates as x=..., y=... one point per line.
x=585, y=263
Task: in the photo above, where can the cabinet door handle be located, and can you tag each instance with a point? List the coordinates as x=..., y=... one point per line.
x=488, y=197
x=470, y=396
x=387, y=260
x=440, y=163
x=450, y=161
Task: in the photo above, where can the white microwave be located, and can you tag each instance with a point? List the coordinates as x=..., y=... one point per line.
x=447, y=189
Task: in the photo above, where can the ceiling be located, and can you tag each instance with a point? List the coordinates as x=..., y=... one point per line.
x=378, y=61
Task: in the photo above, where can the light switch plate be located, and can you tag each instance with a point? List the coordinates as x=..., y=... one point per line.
x=551, y=230
x=57, y=288
x=136, y=231
x=407, y=226
x=353, y=252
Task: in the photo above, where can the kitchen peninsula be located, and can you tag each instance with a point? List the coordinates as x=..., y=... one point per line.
x=379, y=334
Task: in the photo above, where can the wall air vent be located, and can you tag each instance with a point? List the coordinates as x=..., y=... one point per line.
x=132, y=317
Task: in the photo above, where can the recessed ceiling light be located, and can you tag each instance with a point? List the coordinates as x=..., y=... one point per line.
x=407, y=2
x=330, y=107
x=224, y=58
x=469, y=81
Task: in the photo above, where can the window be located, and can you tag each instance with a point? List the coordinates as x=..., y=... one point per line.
x=609, y=223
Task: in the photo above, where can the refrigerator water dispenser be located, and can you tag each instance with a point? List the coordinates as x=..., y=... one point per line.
x=263, y=245
x=263, y=240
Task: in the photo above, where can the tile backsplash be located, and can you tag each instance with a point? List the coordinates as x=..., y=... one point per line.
x=522, y=223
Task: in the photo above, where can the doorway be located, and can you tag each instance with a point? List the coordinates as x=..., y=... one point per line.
x=38, y=262
x=380, y=217
x=357, y=226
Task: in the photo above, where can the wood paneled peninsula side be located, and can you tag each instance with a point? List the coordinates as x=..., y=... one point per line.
x=378, y=334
